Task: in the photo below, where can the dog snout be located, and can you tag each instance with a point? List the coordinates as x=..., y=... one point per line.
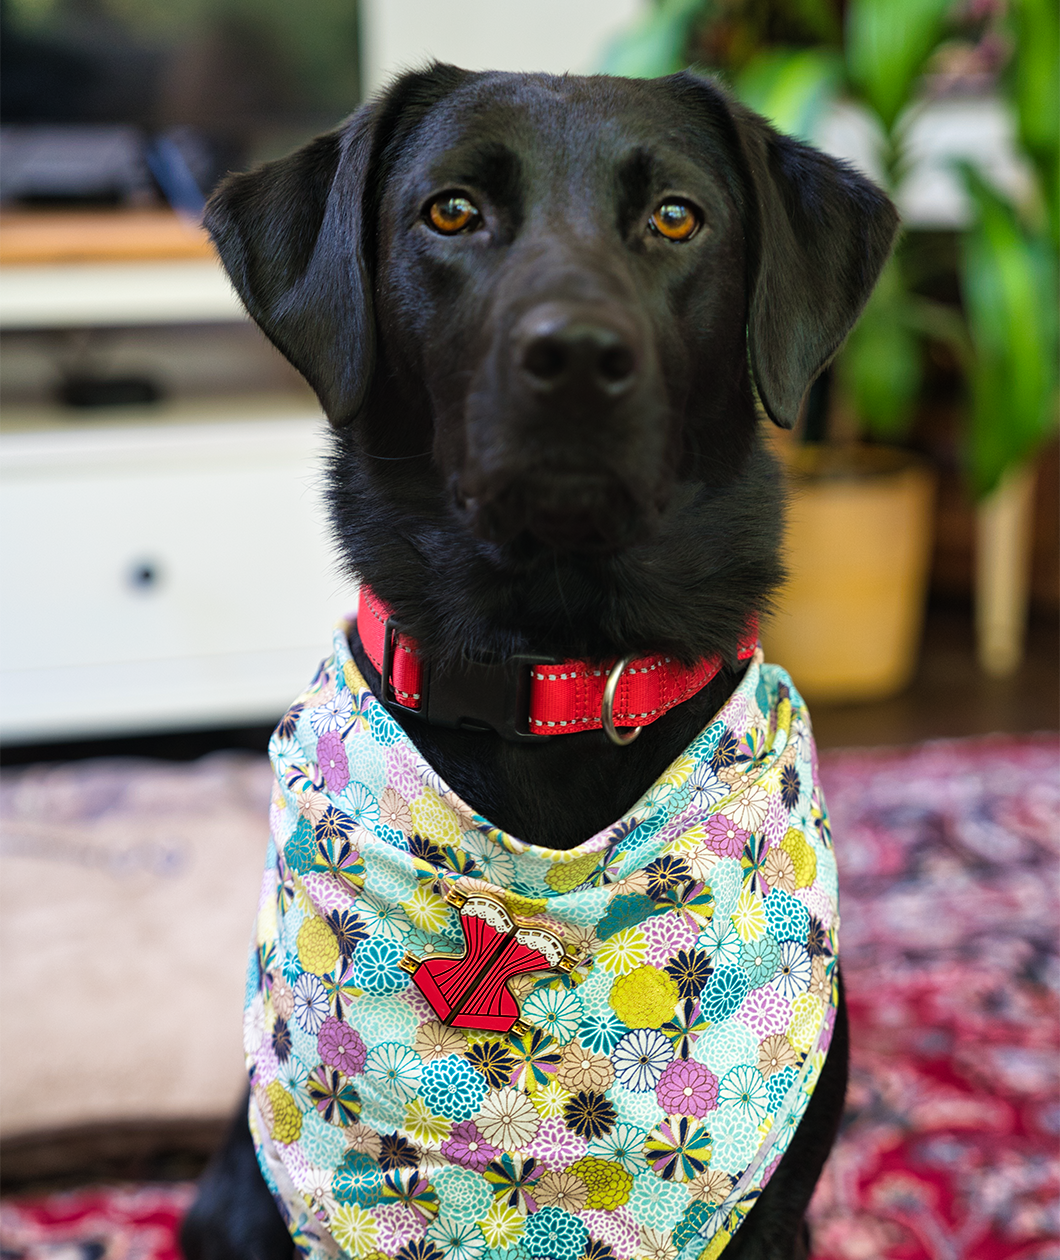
x=570, y=354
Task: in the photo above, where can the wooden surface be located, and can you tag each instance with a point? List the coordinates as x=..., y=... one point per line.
x=61, y=236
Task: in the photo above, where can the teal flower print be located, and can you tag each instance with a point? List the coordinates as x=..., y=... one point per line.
x=358, y=1179
x=624, y=911
x=743, y=1088
x=464, y=1195
x=760, y=960
x=452, y=1088
x=301, y=848
x=458, y=1240
x=725, y=990
x=778, y=1085
x=394, y=1069
x=601, y=1031
x=376, y=967
x=556, y=1011
x=786, y=917
x=360, y=804
x=556, y=1234
x=623, y=1145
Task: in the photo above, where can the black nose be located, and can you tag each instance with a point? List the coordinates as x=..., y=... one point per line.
x=568, y=352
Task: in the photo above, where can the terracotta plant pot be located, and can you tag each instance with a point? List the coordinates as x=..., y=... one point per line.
x=849, y=619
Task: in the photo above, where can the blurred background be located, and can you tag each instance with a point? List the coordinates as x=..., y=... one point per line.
x=160, y=467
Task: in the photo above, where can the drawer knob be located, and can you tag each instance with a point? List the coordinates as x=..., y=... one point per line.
x=144, y=575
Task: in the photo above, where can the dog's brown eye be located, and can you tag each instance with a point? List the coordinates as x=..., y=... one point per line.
x=451, y=214
x=676, y=220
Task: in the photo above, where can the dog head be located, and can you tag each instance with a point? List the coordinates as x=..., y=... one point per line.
x=555, y=284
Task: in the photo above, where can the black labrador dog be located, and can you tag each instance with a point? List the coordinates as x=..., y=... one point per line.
x=540, y=314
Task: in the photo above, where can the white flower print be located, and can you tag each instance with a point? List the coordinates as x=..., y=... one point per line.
x=334, y=715
x=508, y=1119
x=641, y=1057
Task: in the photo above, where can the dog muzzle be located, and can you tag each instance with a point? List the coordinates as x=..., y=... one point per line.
x=462, y=1046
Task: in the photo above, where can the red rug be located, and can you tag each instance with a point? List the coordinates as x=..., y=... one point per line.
x=948, y=861
x=948, y=858
x=101, y=1223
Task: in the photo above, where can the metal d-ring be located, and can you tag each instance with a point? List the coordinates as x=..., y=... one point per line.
x=607, y=705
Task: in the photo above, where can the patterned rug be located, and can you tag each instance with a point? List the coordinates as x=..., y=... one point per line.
x=948, y=859
x=100, y=1223
x=949, y=862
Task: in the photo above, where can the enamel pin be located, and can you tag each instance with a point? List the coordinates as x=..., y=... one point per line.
x=471, y=990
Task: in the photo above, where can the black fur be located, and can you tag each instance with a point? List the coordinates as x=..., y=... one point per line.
x=620, y=502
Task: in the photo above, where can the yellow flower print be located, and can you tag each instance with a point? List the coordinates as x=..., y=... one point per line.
x=550, y=1100
x=426, y=909
x=423, y=1126
x=318, y=950
x=807, y=1013
x=267, y=921
x=689, y=840
x=749, y=917
x=286, y=1118
x=354, y=1228
x=432, y=820
x=608, y=1183
x=678, y=772
x=623, y=951
x=805, y=860
x=563, y=876
x=816, y=1063
x=524, y=907
x=501, y=1225
x=645, y=998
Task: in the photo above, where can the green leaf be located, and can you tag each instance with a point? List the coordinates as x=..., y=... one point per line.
x=1008, y=280
x=791, y=87
x=887, y=43
x=656, y=43
x=1035, y=85
x=880, y=367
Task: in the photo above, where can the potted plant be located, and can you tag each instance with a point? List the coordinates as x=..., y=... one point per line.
x=860, y=527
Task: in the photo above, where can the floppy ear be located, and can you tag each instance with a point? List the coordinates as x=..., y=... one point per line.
x=821, y=237
x=291, y=235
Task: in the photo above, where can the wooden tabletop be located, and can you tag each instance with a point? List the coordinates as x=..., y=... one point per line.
x=68, y=236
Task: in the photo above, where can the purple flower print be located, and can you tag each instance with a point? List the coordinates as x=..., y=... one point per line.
x=687, y=1088
x=725, y=837
x=333, y=762
x=465, y=1145
x=341, y=1046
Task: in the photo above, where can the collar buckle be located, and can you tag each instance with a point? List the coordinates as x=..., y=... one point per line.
x=472, y=695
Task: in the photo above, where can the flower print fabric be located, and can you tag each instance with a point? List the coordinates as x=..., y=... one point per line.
x=643, y=1098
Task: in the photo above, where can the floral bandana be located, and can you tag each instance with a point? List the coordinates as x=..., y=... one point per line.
x=465, y=1047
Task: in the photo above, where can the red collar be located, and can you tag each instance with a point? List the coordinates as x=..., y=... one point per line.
x=528, y=696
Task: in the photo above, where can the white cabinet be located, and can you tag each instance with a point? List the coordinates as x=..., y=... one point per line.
x=176, y=573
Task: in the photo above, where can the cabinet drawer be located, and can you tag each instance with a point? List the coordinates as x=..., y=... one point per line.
x=163, y=576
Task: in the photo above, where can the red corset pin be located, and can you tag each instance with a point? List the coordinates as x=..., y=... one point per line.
x=471, y=990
